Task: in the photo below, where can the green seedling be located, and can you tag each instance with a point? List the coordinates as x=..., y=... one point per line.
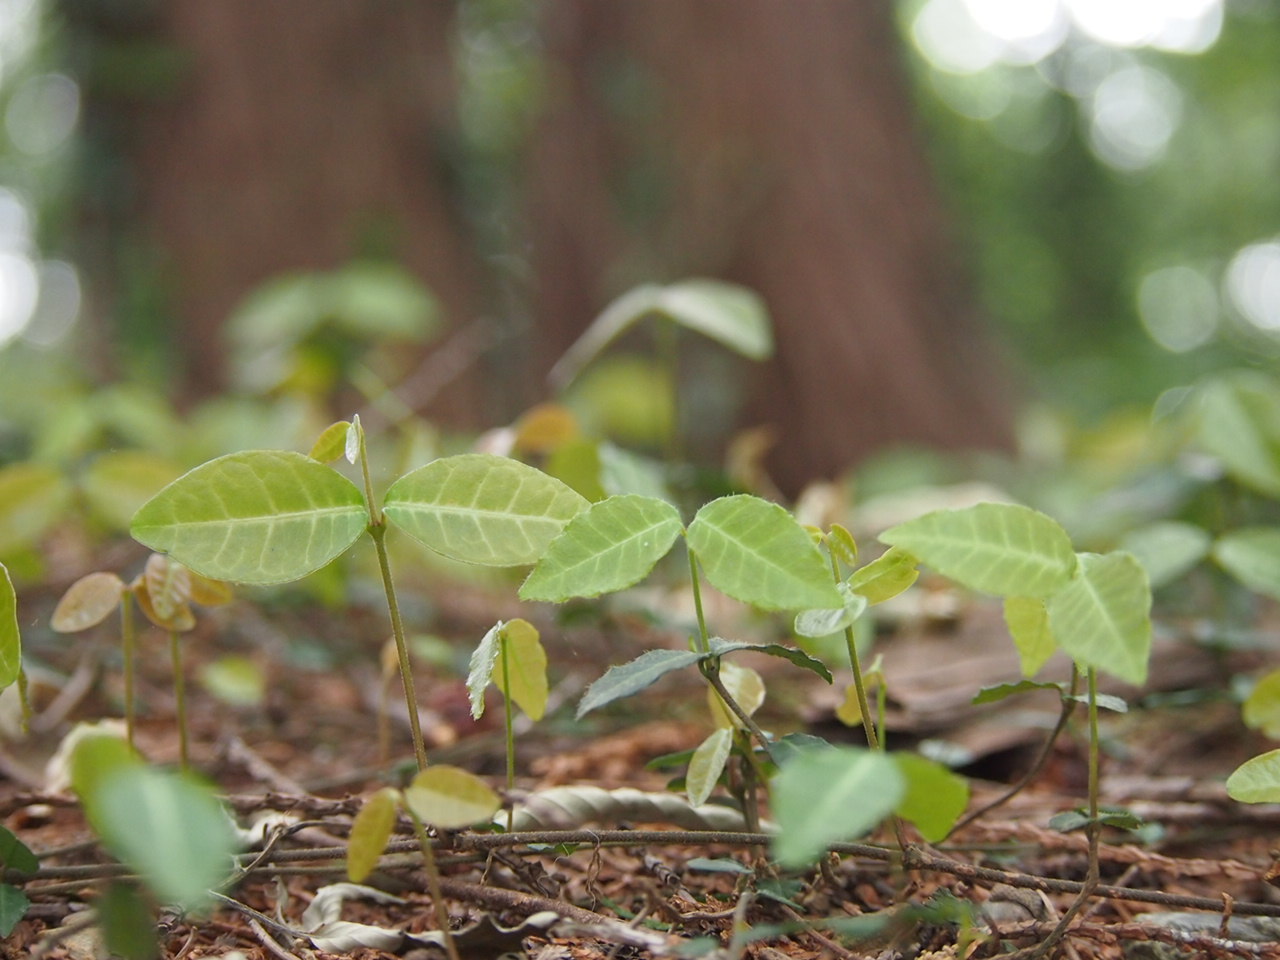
x=445, y=797
x=511, y=656
x=14, y=854
x=164, y=592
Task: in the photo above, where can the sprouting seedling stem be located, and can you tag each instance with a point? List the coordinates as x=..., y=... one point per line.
x=704, y=639
x=507, y=711
x=378, y=532
x=180, y=698
x=859, y=686
x=127, y=643
x=433, y=883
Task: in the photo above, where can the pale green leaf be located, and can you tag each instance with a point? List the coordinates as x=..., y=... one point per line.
x=261, y=517
x=1102, y=618
x=828, y=795
x=1262, y=706
x=1252, y=556
x=886, y=576
x=1239, y=423
x=706, y=765
x=332, y=442
x=450, y=797
x=610, y=546
x=480, y=670
x=999, y=548
x=756, y=552
x=630, y=678
x=10, y=639
x=118, y=483
x=370, y=832
x=744, y=685
x=355, y=439
x=1001, y=691
x=480, y=508
x=1256, y=780
x=169, y=828
x=622, y=471
x=1028, y=621
x=934, y=797
x=32, y=498
x=842, y=545
x=823, y=623
x=522, y=652
x=1167, y=549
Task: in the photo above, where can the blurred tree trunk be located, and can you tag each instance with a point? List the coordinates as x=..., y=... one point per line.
x=777, y=148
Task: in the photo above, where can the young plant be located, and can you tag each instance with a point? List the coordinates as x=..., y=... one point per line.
x=14, y=854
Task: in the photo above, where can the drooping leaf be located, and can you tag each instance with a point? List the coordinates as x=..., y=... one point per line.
x=527, y=660
x=87, y=602
x=823, y=796
x=1252, y=556
x=13, y=907
x=1105, y=701
x=354, y=441
x=610, y=546
x=732, y=315
x=480, y=508
x=370, y=832
x=168, y=827
x=720, y=646
x=1239, y=423
x=630, y=678
x=886, y=576
x=1102, y=618
x=1028, y=621
x=119, y=482
x=480, y=671
x=16, y=855
x=1262, y=706
x=999, y=548
x=756, y=552
x=10, y=638
x=264, y=516
x=934, y=797
x=706, y=765
x=823, y=623
x=1001, y=691
x=332, y=442
x=1257, y=780
x=744, y=685
x=32, y=498
x=1167, y=549
x=450, y=798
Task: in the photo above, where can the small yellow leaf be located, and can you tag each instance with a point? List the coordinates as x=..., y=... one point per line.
x=744, y=685
x=450, y=797
x=522, y=652
x=208, y=592
x=545, y=428
x=842, y=545
x=87, y=602
x=332, y=442
x=370, y=832
x=850, y=712
x=180, y=621
x=706, y=765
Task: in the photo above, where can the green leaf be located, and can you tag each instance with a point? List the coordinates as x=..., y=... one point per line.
x=16, y=855
x=527, y=686
x=128, y=923
x=332, y=442
x=720, y=646
x=1252, y=556
x=756, y=552
x=10, y=638
x=118, y=483
x=1256, y=780
x=264, y=516
x=13, y=907
x=1102, y=618
x=97, y=755
x=480, y=508
x=823, y=796
x=1239, y=423
x=610, y=546
x=630, y=678
x=450, y=798
x=1028, y=621
x=370, y=832
x=841, y=545
x=823, y=623
x=169, y=828
x=1071, y=820
x=934, y=797
x=1001, y=691
x=706, y=765
x=886, y=576
x=999, y=548
x=1167, y=549
x=32, y=498
x=1262, y=706
x=480, y=670
x=729, y=314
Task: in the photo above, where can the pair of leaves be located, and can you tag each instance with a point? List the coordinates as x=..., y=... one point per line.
x=513, y=651
x=1094, y=607
x=712, y=755
x=165, y=591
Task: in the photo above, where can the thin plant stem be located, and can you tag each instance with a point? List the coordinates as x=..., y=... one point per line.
x=704, y=639
x=711, y=672
x=510, y=727
x=24, y=699
x=127, y=642
x=1067, y=708
x=180, y=699
x=851, y=644
x=433, y=884
x=1093, y=829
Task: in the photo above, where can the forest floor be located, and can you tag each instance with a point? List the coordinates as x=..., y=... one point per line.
x=1191, y=883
